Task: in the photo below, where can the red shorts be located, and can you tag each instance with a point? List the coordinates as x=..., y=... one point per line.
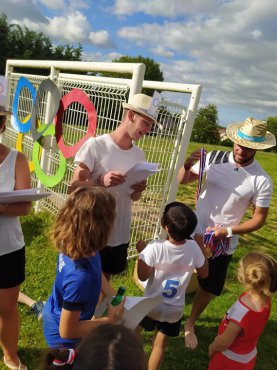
x=219, y=362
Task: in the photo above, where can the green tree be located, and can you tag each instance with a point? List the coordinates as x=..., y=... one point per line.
x=4, y=42
x=153, y=70
x=206, y=126
x=21, y=43
x=272, y=127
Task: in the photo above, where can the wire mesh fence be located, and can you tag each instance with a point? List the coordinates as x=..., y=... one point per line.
x=160, y=146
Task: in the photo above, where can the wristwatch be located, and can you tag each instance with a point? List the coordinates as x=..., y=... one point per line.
x=230, y=232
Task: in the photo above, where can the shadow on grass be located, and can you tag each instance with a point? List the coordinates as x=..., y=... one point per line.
x=31, y=357
x=34, y=225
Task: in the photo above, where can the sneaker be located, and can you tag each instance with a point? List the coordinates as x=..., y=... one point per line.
x=37, y=308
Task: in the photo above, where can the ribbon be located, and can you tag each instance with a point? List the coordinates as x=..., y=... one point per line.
x=69, y=361
x=217, y=247
x=201, y=171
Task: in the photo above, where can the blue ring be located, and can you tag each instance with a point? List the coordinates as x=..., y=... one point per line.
x=15, y=121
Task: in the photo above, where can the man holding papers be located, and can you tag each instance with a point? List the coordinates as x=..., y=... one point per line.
x=14, y=175
x=105, y=161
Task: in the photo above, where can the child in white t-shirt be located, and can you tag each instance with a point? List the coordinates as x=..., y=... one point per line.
x=168, y=265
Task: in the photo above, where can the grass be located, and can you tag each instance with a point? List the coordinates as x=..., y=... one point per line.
x=40, y=271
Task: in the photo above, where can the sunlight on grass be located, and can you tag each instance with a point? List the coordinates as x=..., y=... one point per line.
x=40, y=271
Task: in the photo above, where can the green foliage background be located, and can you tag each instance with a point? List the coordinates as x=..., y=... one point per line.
x=18, y=42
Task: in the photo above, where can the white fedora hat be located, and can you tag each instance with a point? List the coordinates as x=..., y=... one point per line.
x=141, y=104
x=252, y=133
x=4, y=111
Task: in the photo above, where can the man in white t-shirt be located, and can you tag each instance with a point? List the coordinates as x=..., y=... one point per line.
x=234, y=182
x=104, y=161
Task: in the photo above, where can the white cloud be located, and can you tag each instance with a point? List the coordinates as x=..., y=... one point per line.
x=162, y=51
x=18, y=9
x=101, y=38
x=232, y=52
x=256, y=34
x=100, y=57
x=92, y=57
x=54, y=4
x=73, y=27
x=165, y=8
x=65, y=5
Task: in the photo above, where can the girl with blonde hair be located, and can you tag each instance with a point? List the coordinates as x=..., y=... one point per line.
x=235, y=346
x=81, y=230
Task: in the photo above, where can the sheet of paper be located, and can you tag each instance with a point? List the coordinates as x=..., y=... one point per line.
x=139, y=172
x=136, y=308
x=19, y=196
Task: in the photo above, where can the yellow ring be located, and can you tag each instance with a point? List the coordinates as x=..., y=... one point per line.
x=18, y=144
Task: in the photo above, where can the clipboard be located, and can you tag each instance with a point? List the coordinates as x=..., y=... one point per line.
x=24, y=195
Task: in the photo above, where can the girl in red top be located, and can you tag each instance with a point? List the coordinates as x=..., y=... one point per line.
x=235, y=346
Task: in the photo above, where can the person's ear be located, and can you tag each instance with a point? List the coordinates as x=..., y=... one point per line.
x=162, y=223
x=131, y=115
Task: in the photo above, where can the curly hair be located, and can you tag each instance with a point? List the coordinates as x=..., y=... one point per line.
x=84, y=223
x=258, y=271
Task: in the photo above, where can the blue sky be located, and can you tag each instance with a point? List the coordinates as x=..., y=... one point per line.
x=227, y=46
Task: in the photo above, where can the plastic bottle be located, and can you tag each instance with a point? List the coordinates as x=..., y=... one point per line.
x=119, y=296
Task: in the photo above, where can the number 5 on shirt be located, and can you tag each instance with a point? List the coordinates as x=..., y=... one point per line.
x=170, y=288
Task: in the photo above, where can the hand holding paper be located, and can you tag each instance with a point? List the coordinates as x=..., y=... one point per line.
x=136, y=308
x=139, y=172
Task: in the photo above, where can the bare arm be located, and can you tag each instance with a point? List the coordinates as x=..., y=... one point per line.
x=81, y=177
x=106, y=287
x=202, y=271
x=255, y=223
x=139, y=187
x=224, y=341
x=144, y=271
x=185, y=175
x=22, y=181
x=72, y=327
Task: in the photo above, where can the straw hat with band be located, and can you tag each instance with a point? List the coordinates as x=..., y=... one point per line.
x=141, y=103
x=4, y=111
x=252, y=133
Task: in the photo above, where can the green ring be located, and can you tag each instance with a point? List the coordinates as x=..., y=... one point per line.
x=49, y=181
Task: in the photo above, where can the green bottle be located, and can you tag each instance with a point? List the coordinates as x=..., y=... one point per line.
x=119, y=296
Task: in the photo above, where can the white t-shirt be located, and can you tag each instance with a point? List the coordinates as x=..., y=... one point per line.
x=11, y=237
x=229, y=191
x=174, y=266
x=101, y=155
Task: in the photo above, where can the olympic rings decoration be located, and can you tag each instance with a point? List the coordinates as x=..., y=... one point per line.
x=16, y=123
x=74, y=95
x=19, y=145
x=47, y=180
x=58, y=107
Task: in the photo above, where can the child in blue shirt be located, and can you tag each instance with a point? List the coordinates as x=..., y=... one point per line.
x=81, y=229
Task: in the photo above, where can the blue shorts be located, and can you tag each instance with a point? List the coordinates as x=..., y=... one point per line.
x=171, y=329
x=51, y=332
